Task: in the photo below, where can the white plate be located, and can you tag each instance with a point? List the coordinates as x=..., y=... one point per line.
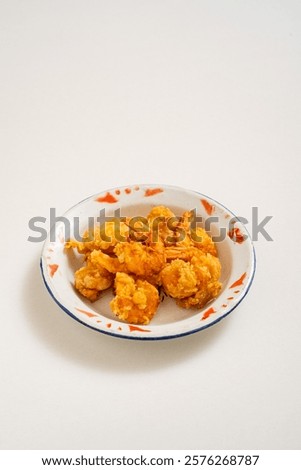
x=235, y=251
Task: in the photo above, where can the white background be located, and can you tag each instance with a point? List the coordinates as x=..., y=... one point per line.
x=200, y=94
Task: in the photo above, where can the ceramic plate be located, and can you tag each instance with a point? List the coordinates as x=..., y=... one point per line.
x=235, y=251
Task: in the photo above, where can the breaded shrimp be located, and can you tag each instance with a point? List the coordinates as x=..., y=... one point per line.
x=90, y=281
x=136, y=301
x=103, y=238
x=180, y=252
x=207, y=269
x=160, y=211
x=208, y=261
x=179, y=279
x=140, y=259
x=112, y=264
x=202, y=296
x=159, y=220
x=195, y=236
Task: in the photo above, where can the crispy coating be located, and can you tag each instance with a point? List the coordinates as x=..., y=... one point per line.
x=91, y=281
x=136, y=301
x=180, y=252
x=207, y=269
x=186, y=252
x=192, y=236
x=110, y=263
x=207, y=261
x=160, y=218
x=193, y=282
x=179, y=279
x=160, y=211
x=139, y=229
x=140, y=259
x=102, y=238
x=200, y=239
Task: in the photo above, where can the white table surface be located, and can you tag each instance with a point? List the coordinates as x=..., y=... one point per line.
x=199, y=94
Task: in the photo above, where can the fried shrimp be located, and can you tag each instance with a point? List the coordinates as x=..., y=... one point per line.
x=161, y=212
x=160, y=218
x=103, y=261
x=91, y=281
x=136, y=301
x=179, y=279
x=140, y=259
x=104, y=237
x=200, y=239
x=141, y=256
x=207, y=269
x=192, y=282
x=194, y=236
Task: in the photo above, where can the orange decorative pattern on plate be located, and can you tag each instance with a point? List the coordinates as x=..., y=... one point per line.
x=236, y=235
x=239, y=281
x=53, y=269
x=208, y=312
x=209, y=208
x=137, y=328
x=152, y=191
x=85, y=312
x=109, y=198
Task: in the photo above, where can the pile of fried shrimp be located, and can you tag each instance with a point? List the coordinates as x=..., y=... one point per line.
x=142, y=261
